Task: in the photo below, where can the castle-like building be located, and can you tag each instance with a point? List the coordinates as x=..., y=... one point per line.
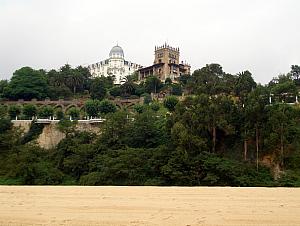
x=115, y=65
x=166, y=65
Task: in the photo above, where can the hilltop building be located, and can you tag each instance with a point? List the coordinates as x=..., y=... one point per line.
x=166, y=65
x=115, y=65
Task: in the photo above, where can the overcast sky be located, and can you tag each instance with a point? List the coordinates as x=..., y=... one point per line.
x=262, y=36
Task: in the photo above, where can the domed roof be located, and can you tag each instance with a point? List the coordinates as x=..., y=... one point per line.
x=116, y=51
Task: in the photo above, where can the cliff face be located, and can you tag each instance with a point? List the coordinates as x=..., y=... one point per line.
x=51, y=136
x=22, y=124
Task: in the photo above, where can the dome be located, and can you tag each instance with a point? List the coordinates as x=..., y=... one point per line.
x=116, y=52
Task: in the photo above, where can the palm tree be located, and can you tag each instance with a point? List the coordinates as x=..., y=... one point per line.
x=128, y=86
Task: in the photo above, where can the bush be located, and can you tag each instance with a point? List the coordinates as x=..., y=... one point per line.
x=155, y=106
x=107, y=106
x=74, y=113
x=59, y=114
x=5, y=124
x=139, y=108
x=170, y=102
x=176, y=89
x=3, y=111
x=14, y=110
x=30, y=110
x=46, y=112
x=147, y=98
x=115, y=91
x=92, y=107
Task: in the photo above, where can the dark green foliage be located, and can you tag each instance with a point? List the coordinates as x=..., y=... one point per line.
x=99, y=87
x=147, y=98
x=115, y=91
x=3, y=85
x=46, y=112
x=14, y=110
x=170, y=103
x=128, y=87
x=74, y=154
x=218, y=136
x=139, y=108
x=155, y=106
x=153, y=84
x=34, y=131
x=30, y=165
x=27, y=84
x=30, y=110
x=176, y=89
x=92, y=107
x=5, y=124
x=106, y=106
x=3, y=111
x=146, y=131
x=73, y=113
x=59, y=114
x=66, y=126
x=244, y=84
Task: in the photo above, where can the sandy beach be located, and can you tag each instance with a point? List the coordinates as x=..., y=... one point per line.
x=63, y=205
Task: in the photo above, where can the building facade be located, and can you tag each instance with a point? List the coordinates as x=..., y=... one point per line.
x=115, y=66
x=166, y=65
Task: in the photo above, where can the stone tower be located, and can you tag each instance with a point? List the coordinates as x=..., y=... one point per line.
x=166, y=65
x=168, y=57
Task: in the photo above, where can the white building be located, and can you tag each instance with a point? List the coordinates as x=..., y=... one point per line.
x=116, y=66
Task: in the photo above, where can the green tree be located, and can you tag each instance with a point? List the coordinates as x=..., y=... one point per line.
x=170, y=102
x=92, y=107
x=5, y=124
x=139, y=108
x=155, y=106
x=283, y=88
x=74, y=113
x=207, y=80
x=115, y=91
x=3, y=85
x=98, y=88
x=176, y=89
x=153, y=84
x=3, y=111
x=115, y=131
x=27, y=83
x=14, y=111
x=244, y=84
x=46, y=112
x=59, y=114
x=218, y=115
x=106, y=106
x=295, y=72
x=30, y=110
x=128, y=87
x=282, y=128
x=146, y=131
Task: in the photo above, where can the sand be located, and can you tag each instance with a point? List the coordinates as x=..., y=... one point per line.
x=63, y=205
